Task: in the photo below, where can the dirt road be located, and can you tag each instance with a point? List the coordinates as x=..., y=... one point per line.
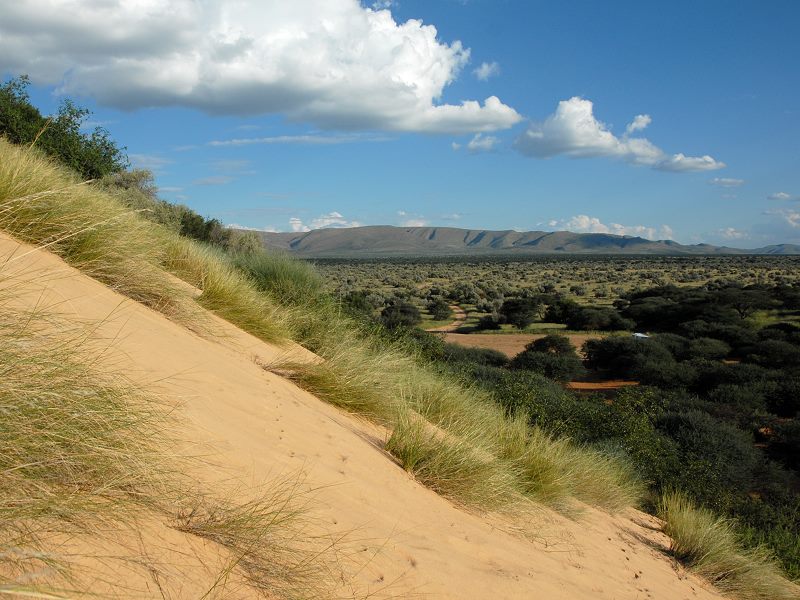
x=459, y=316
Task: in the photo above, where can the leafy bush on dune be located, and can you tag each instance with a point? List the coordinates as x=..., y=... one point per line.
x=91, y=155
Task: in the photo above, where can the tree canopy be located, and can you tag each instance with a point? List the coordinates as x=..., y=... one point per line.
x=92, y=155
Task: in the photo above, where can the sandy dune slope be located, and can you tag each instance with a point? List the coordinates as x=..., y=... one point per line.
x=407, y=541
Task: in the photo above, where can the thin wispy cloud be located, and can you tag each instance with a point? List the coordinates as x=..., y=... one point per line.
x=310, y=139
x=233, y=167
x=150, y=162
x=780, y=196
x=727, y=182
x=213, y=180
x=731, y=233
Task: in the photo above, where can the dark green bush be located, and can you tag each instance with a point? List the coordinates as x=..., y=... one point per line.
x=707, y=348
x=553, y=344
x=717, y=459
x=453, y=353
x=560, y=367
x=92, y=155
x=439, y=309
x=400, y=314
x=520, y=312
x=773, y=353
x=488, y=323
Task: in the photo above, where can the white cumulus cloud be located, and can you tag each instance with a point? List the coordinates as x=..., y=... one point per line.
x=779, y=196
x=414, y=223
x=731, y=233
x=333, y=220
x=297, y=225
x=639, y=123
x=479, y=143
x=587, y=224
x=574, y=131
x=790, y=217
x=335, y=63
x=486, y=70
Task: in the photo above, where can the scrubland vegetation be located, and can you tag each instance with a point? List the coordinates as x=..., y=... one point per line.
x=486, y=435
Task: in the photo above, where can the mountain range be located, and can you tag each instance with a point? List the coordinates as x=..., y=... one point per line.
x=386, y=240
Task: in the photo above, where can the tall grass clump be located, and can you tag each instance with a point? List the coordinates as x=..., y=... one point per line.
x=453, y=466
x=287, y=280
x=46, y=205
x=709, y=546
x=75, y=445
x=269, y=542
x=85, y=453
x=225, y=291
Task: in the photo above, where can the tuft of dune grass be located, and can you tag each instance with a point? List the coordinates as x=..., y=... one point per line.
x=44, y=204
x=454, y=467
x=84, y=451
x=292, y=282
x=709, y=546
x=225, y=291
x=75, y=445
x=269, y=542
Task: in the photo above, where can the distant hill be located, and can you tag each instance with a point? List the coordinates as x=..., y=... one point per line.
x=386, y=240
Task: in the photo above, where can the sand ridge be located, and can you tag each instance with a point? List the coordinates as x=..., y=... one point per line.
x=415, y=543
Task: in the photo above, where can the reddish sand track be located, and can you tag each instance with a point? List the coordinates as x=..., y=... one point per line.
x=592, y=386
x=459, y=316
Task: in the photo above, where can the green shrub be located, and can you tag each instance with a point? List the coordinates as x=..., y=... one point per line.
x=454, y=353
x=718, y=460
x=520, y=312
x=439, y=309
x=400, y=314
x=554, y=344
x=91, y=155
x=560, y=367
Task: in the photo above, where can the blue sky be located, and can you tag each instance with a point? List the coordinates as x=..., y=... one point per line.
x=668, y=120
